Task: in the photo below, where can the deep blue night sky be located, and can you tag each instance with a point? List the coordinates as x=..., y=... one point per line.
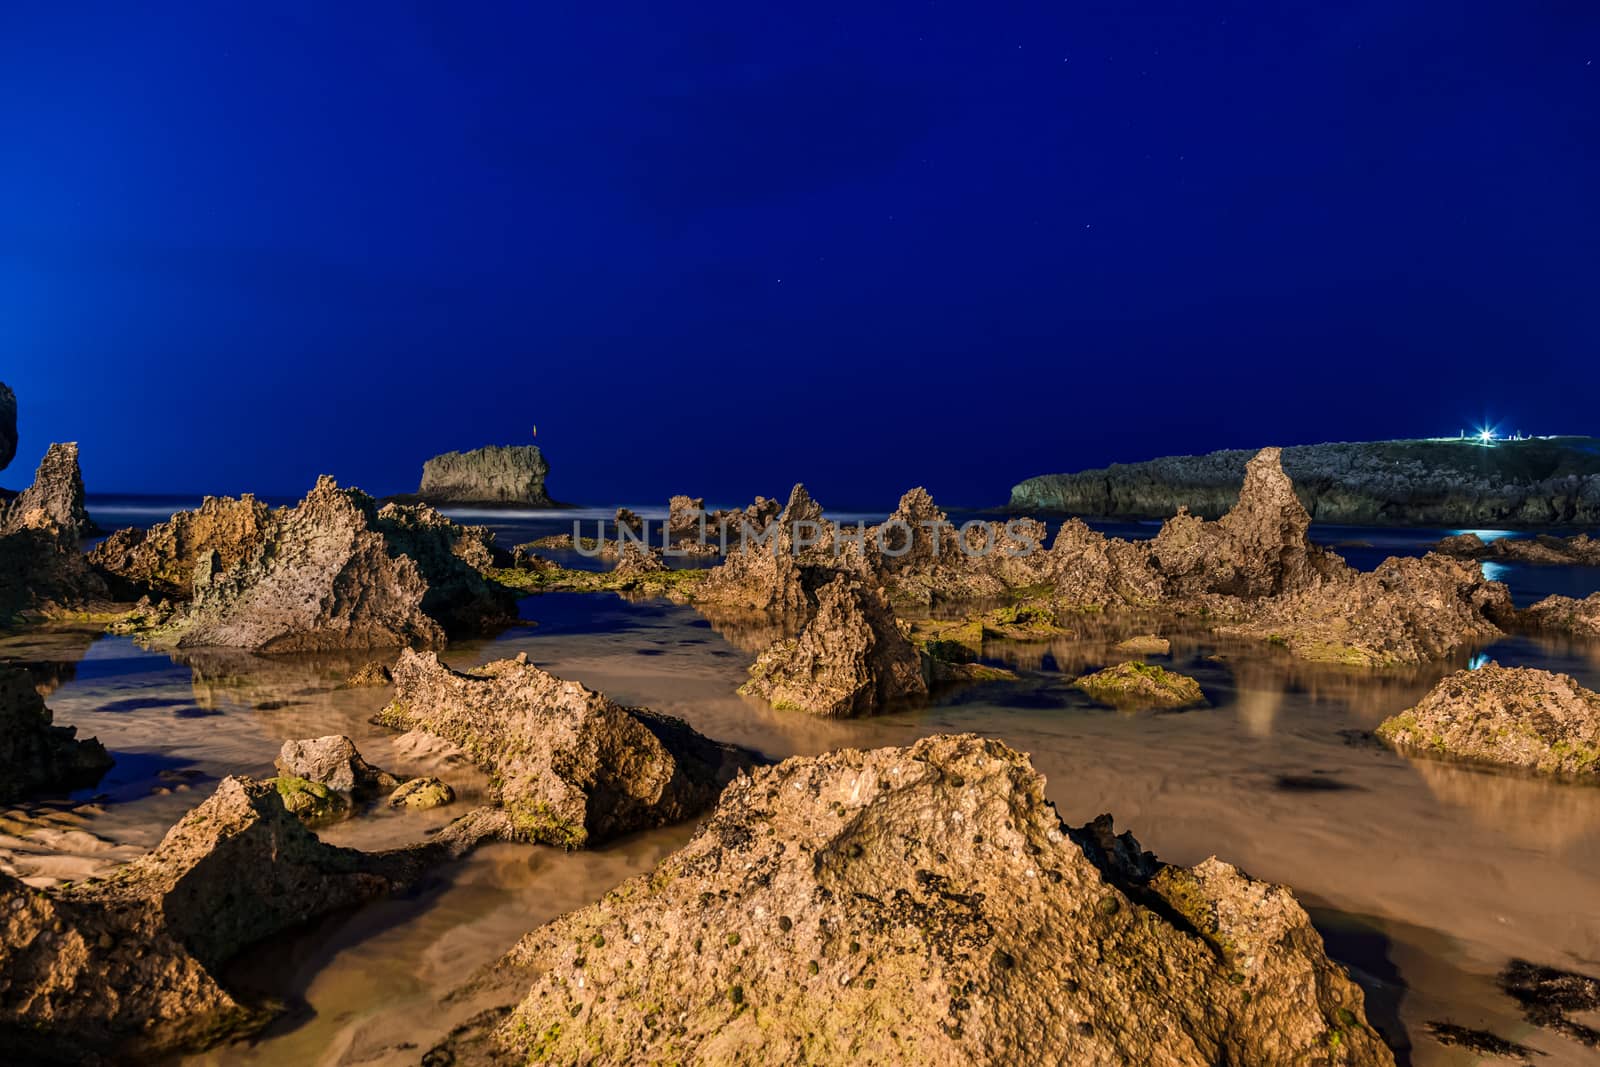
x=721, y=247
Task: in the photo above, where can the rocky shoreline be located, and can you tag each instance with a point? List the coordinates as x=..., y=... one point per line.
x=1539, y=482
x=904, y=903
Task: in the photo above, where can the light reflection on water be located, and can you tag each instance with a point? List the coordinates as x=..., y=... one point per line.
x=1419, y=873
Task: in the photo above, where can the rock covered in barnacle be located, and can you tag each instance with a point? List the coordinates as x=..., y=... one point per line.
x=1141, y=685
x=162, y=559
x=1508, y=716
x=570, y=766
x=923, y=905
x=495, y=474
x=850, y=659
x=35, y=754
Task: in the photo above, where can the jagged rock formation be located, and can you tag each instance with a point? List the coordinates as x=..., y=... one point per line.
x=1260, y=548
x=635, y=559
x=1579, y=551
x=1094, y=571
x=924, y=558
x=54, y=500
x=922, y=905
x=41, y=569
x=370, y=676
x=571, y=767
x=334, y=572
x=780, y=574
x=1406, y=611
x=850, y=660
x=8, y=425
x=1563, y=614
x=1141, y=685
x=34, y=753
x=629, y=520
x=1509, y=716
x=161, y=561
x=127, y=967
x=494, y=475
x=1423, y=483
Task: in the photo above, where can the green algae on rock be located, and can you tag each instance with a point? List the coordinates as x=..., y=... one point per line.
x=1515, y=717
x=1141, y=685
x=921, y=905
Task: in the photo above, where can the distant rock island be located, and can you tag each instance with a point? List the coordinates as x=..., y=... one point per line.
x=1432, y=482
x=497, y=476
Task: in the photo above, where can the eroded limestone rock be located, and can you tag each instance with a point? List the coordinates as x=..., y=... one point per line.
x=334, y=762
x=850, y=659
x=571, y=767
x=54, y=500
x=496, y=474
x=162, y=560
x=1508, y=716
x=1563, y=614
x=923, y=905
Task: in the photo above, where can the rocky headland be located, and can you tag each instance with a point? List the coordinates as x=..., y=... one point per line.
x=493, y=476
x=1513, y=717
x=922, y=905
x=1539, y=482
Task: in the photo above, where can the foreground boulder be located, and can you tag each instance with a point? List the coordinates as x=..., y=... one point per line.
x=334, y=762
x=850, y=660
x=923, y=905
x=496, y=475
x=161, y=561
x=34, y=753
x=1507, y=716
x=127, y=967
x=334, y=572
x=571, y=767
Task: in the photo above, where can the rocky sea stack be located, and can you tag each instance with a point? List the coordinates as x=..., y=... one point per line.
x=496, y=476
x=923, y=905
x=1544, y=481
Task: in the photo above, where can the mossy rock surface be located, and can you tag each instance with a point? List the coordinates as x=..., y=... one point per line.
x=311, y=802
x=1141, y=685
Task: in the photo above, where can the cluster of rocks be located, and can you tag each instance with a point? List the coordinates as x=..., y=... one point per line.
x=922, y=905
x=333, y=572
x=1539, y=482
x=1543, y=549
x=325, y=778
x=496, y=476
x=1523, y=718
x=36, y=754
x=1254, y=573
x=129, y=965
x=569, y=766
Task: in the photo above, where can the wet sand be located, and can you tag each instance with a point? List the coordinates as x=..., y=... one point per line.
x=1425, y=878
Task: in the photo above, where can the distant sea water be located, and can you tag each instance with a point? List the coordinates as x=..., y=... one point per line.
x=1362, y=546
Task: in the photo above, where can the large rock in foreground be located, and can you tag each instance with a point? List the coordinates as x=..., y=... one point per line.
x=924, y=905
x=496, y=474
x=162, y=560
x=127, y=966
x=571, y=767
x=1508, y=716
x=34, y=753
x=850, y=660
